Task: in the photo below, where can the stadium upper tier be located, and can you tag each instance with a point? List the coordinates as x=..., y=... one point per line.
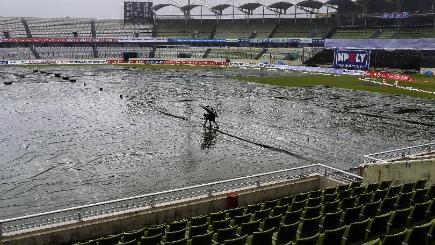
x=69, y=27
x=239, y=28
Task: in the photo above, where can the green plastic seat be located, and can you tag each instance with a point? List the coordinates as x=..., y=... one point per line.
x=315, y=194
x=430, y=213
x=292, y=217
x=178, y=225
x=330, y=190
x=250, y=209
x=298, y=205
x=313, y=202
x=332, y=236
x=330, y=198
x=134, y=235
x=355, y=233
x=371, y=187
x=300, y=197
x=249, y=228
x=377, y=227
x=330, y=221
x=261, y=237
x=217, y=216
x=199, y=220
x=387, y=205
x=358, y=190
x=403, y=201
x=307, y=240
x=355, y=184
x=418, y=235
x=238, y=220
x=407, y=187
x=420, y=184
x=370, y=210
x=418, y=214
x=156, y=230
x=221, y=224
x=398, y=220
x=384, y=184
x=430, y=192
x=379, y=195
x=132, y=242
x=394, y=190
x=271, y=222
x=394, y=239
x=331, y=207
x=308, y=227
x=285, y=201
x=261, y=214
x=175, y=235
x=205, y=239
x=179, y=242
x=151, y=240
x=198, y=230
x=347, y=202
x=342, y=188
x=235, y=212
x=377, y=241
x=311, y=212
x=286, y=233
x=270, y=204
x=364, y=198
x=236, y=241
x=431, y=233
x=419, y=196
x=279, y=210
x=225, y=234
x=344, y=194
x=351, y=215
x=109, y=240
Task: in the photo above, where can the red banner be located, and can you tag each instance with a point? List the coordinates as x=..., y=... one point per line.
x=389, y=75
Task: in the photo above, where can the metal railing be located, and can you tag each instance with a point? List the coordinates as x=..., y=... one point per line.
x=402, y=153
x=92, y=211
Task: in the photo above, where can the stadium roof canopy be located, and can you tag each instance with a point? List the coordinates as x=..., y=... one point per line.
x=312, y=4
x=218, y=9
x=187, y=8
x=248, y=8
x=160, y=6
x=281, y=5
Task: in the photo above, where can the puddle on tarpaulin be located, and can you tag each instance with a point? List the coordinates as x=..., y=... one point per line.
x=65, y=144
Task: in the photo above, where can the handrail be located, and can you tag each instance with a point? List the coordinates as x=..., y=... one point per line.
x=77, y=214
x=395, y=154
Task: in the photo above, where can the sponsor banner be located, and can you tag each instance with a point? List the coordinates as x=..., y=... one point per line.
x=3, y=62
x=142, y=40
x=352, y=59
x=57, y=40
x=395, y=15
x=389, y=75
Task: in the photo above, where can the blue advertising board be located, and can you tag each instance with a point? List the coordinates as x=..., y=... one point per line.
x=3, y=62
x=352, y=59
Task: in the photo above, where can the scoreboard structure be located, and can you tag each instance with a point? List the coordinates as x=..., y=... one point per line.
x=138, y=12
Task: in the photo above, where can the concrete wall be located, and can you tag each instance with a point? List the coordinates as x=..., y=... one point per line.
x=91, y=229
x=400, y=172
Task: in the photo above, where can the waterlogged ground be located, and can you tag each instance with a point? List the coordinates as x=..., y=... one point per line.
x=64, y=144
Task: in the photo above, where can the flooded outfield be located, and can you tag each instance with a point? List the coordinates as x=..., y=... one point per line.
x=64, y=144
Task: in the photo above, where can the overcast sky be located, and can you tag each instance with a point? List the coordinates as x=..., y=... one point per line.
x=94, y=8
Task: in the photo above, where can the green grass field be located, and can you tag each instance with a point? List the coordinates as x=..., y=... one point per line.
x=349, y=82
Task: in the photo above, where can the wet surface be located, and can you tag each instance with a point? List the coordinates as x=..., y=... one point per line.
x=65, y=144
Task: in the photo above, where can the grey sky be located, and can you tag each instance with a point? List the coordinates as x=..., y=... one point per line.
x=97, y=8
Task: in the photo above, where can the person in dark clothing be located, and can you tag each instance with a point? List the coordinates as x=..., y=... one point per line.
x=210, y=116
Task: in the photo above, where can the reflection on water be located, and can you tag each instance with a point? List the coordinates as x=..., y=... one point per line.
x=209, y=137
